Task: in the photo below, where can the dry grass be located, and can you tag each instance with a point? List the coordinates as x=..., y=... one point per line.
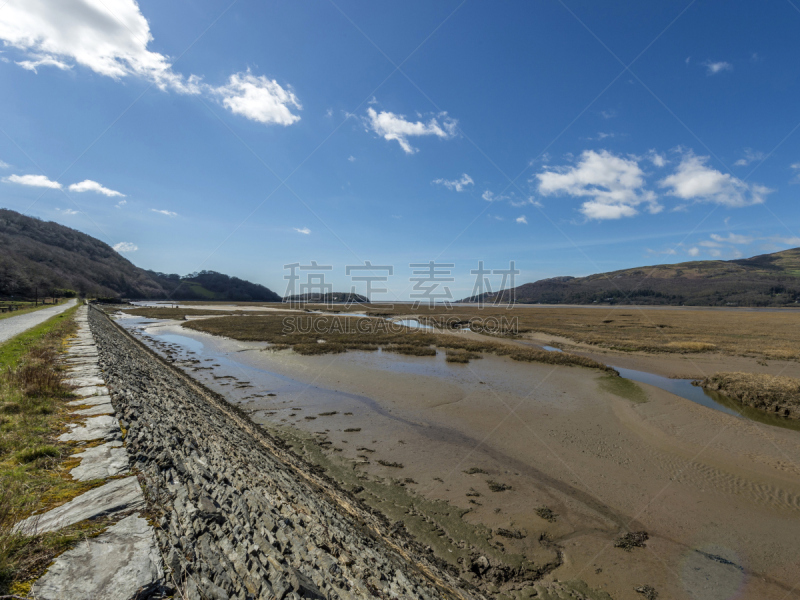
x=771, y=334
x=322, y=334
x=773, y=394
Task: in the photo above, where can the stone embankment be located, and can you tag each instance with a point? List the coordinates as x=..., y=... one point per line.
x=236, y=514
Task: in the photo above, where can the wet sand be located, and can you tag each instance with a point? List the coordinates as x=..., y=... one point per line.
x=718, y=495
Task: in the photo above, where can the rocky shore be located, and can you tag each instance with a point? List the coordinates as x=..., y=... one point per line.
x=236, y=514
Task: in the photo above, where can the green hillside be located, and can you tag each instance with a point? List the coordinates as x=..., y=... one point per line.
x=765, y=280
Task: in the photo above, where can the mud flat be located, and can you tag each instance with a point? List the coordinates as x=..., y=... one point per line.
x=718, y=495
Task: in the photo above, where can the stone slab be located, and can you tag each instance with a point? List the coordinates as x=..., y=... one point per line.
x=113, y=566
x=98, y=409
x=85, y=381
x=95, y=428
x=91, y=390
x=91, y=400
x=115, y=496
x=101, y=462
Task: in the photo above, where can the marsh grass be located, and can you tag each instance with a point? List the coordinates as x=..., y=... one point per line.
x=631, y=540
x=340, y=333
x=775, y=394
x=32, y=475
x=770, y=334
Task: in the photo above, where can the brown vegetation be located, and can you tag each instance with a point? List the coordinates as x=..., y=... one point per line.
x=322, y=334
x=773, y=394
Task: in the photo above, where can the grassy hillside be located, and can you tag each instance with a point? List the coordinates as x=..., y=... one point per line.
x=44, y=257
x=765, y=280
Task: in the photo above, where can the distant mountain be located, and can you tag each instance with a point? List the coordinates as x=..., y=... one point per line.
x=44, y=257
x=765, y=280
x=337, y=297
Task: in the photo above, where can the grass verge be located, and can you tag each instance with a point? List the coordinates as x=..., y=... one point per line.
x=32, y=477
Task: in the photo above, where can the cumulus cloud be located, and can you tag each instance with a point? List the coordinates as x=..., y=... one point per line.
x=657, y=159
x=458, y=185
x=714, y=67
x=304, y=230
x=395, y=127
x=167, y=213
x=111, y=37
x=522, y=219
x=694, y=180
x=125, y=247
x=351, y=158
x=695, y=251
x=614, y=185
x=87, y=185
x=259, y=99
x=67, y=211
x=33, y=180
x=749, y=157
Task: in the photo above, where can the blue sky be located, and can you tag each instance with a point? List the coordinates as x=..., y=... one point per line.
x=570, y=137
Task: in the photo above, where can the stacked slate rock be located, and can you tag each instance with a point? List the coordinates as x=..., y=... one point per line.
x=236, y=519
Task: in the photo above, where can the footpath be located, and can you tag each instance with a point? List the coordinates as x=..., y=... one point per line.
x=124, y=561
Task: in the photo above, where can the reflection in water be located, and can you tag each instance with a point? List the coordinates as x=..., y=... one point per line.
x=188, y=347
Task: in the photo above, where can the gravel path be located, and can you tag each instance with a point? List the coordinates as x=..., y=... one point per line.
x=13, y=326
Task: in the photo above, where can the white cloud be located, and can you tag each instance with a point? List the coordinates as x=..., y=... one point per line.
x=87, y=185
x=717, y=67
x=796, y=168
x=657, y=159
x=608, y=114
x=693, y=180
x=67, y=211
x=37, y=61
x=33, y=180
x=126, y=247
x=259, y=99
x=490, y=197
x=111, y=37
x=121, y=203
x=693, y=251
x=614, y=184
x=351, y=158
x=304, y=230
x=732, y=238
x=749, y=157
x=530, y=200
x=4, y=165
x=458, y=185
x=395, y=127
x=522, y=219
x=789, y=241
x=167, y=213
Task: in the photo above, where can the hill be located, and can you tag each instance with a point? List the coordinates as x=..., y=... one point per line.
x=44, y=257
x=765, y=280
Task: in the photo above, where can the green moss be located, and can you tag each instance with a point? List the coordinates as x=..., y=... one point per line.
x=624, y=388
